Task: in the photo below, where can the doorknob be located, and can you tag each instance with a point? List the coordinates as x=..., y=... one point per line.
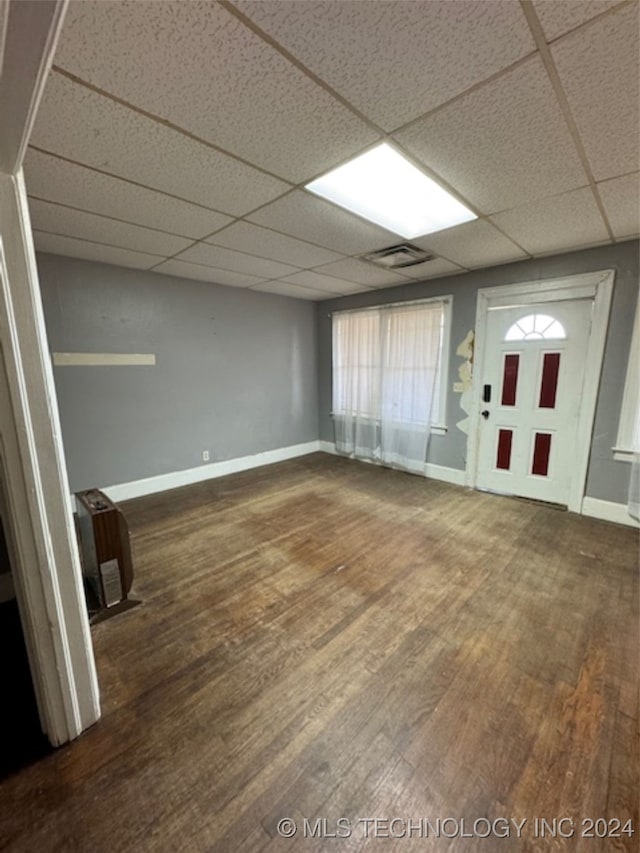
x=485, y=414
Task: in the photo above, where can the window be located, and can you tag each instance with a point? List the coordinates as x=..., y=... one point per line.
x=628, y=441
x=536, y=327
x=387, y=360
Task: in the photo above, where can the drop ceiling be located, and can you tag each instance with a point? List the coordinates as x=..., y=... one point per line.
x=178, y=136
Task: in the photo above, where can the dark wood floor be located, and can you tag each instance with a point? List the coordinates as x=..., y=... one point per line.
x=326, y=639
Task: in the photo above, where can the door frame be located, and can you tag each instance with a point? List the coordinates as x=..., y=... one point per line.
x=597, y=285
x=35, y=488
x=47, y=574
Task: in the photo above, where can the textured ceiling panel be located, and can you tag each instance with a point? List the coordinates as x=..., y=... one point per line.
x=255, y=240
x=502, y=145
x=396, y=60
x=474, y=244
x=560, y=17
x=79, y=124
x=302, y=215
x=282, y=289
x=621, y=199
x=228, y=259
x=53, y=179
x=600, y=71
x=431, y=269
x=195, y=64
x=89, y=226
x=317, y=281
x=182, y=269
x=361, y=272
x=73, y=248
x=552, y=224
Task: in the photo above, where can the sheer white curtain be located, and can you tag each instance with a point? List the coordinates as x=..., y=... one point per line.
x=357, y=362
x=386, y=363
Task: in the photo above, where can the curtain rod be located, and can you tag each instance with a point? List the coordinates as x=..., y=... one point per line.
x=446, y=299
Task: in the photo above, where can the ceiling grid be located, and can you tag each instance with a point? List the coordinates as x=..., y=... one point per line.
x=180, y=137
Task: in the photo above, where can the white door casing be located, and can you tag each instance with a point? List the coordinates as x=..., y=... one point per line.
x=34, y=489
x=596, y=286
x=534, y=375
x=47, y=566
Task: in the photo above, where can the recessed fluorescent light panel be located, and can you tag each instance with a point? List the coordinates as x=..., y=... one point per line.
x=384, y=187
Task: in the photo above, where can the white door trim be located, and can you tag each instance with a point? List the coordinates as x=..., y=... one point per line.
x=47, y=566
x=597, y=285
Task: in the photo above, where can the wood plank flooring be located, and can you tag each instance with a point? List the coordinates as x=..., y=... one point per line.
x=323, y=640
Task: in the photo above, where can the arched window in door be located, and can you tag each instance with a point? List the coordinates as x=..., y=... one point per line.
x=536, y=327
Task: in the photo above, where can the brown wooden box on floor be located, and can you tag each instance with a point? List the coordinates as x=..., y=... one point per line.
x=103, y=536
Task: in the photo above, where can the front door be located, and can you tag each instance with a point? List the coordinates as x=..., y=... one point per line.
x=532, y=390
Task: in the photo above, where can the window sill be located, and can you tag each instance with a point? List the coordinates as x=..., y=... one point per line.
x=621, y=454
x=436, y=429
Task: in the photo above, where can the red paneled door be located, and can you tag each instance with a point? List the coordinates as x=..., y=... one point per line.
x=534, y=376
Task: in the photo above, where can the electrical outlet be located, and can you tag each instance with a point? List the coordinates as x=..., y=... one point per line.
x=205, y=455
x=458, y=387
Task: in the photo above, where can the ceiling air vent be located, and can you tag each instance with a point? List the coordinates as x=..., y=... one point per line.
x=402, y=255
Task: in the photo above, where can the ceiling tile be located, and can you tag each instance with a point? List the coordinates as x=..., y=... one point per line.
x=309, y=278
x=89, y=226
x=396, y=60
x=431, y=269
x=600, y=72
x=474, y=244
x=228, y=259
x=503, y=144
x=282, y=289
x=361, y=272
x=182, y=269
x=53, y=179
x=552, y=224
x=558, y=18
x=265, y=243
x=302, y=215
x=621, y=199
x=82, y=125
x=73, y=248
x=198, y=66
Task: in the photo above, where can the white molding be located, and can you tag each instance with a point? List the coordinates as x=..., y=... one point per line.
x=175, y=479
x=448, y=475
x=328, y=447
x=608, y=511
x=631, y=397
x=622, y=455
x=47, y=573
x=434, y=472
x=102, y=359
x=597, y=285
x=4, y=21
x=591, y=387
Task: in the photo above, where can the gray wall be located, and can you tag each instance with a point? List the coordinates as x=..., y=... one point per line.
x=607, y=479
x=236, y=370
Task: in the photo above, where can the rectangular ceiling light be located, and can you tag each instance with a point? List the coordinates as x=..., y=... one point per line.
x=384, y=187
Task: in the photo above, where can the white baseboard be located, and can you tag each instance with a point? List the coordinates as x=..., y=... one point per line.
x=163, y=482
x=435, y=472
x=328, y=447
x=447, y=475
x=608, y=511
